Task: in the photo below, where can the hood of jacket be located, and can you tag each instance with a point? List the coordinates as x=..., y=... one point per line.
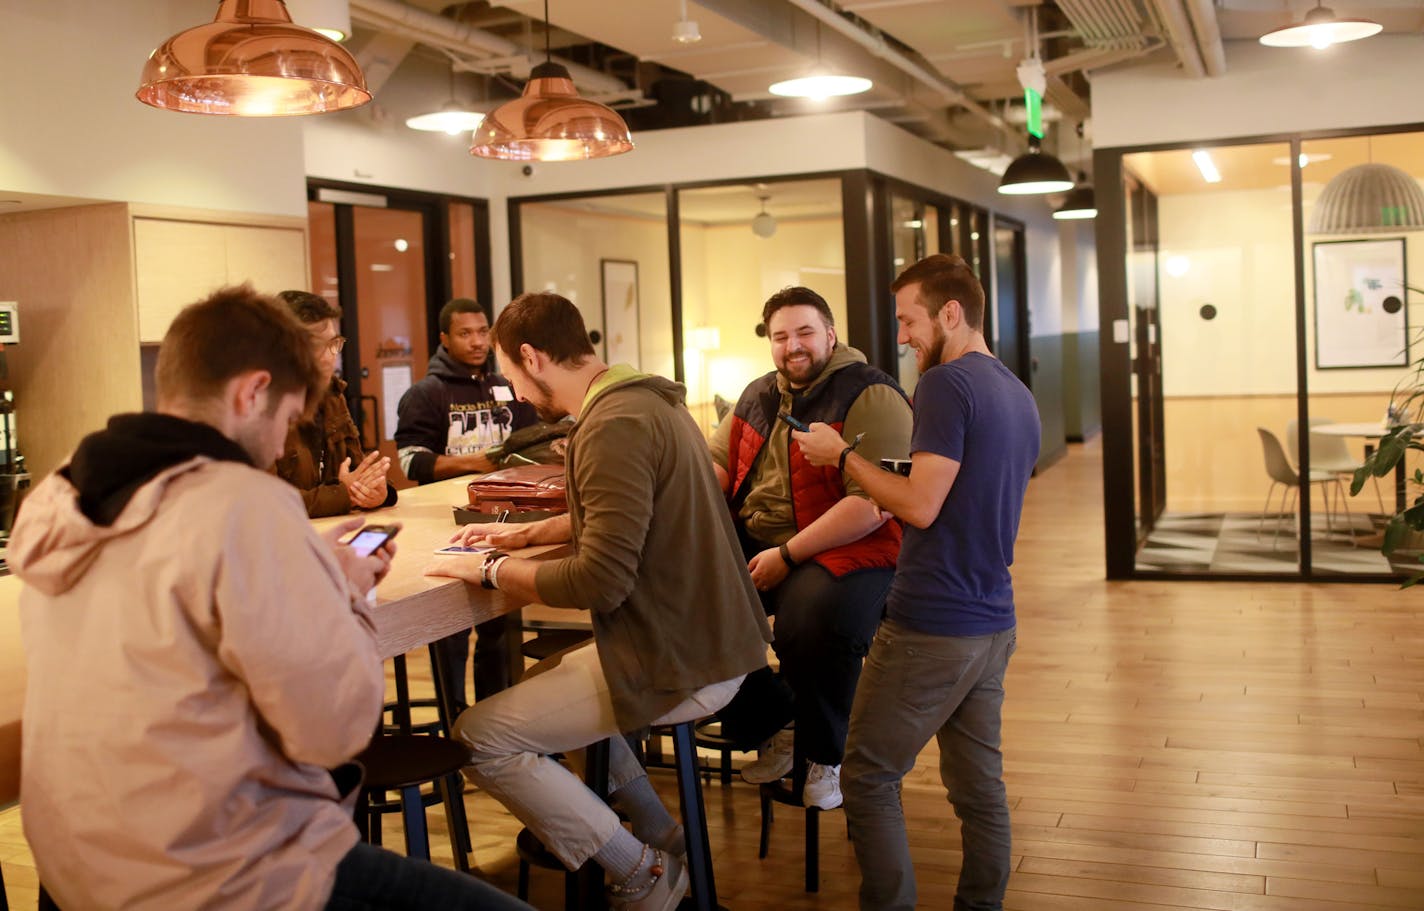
x=447, y=368
x=112, y=485
x=620, y=375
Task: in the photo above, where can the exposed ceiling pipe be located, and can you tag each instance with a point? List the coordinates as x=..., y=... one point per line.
x=457, y=38
x=1203, y=15
x=878, y=47
x=1178, y=32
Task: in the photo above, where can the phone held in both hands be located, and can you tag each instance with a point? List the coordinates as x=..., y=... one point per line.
x=366, y=540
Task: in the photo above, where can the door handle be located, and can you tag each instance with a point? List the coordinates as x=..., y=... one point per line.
x=375, y=419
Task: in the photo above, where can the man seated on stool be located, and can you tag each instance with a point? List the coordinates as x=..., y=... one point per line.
x=198, y=656
x=444, y=424
x=821, y=554
x=676, y=622
x=322, y=457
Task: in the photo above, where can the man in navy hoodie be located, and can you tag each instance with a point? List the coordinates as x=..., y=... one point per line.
x=444, y=423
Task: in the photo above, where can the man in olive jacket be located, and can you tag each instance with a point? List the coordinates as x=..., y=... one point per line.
x=676, y=619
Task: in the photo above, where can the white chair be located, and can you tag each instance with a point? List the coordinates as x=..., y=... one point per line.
x=1279, y=469
x=1328, y=452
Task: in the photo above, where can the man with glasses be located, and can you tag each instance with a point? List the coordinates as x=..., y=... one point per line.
x=323, y=457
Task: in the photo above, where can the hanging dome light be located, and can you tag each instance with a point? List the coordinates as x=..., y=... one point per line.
x=1035, y=173
x=550, y=122
x=1320, y=29
x=452, y=118
x=822, y=85
x=330, y=17
x=251, y=61
x=1366, y=199
x=1080, y=202
x=764, y=224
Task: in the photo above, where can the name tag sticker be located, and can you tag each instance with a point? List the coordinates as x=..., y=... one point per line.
x=502, y=394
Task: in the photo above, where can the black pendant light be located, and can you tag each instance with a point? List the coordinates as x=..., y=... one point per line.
x=1035, y=173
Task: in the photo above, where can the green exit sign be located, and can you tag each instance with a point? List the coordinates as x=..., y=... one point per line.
x=1033, y=104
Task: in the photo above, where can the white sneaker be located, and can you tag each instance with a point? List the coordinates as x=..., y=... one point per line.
x=823, y=786
x=773, y=760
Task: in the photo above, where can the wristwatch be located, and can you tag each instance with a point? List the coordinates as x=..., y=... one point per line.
x=487, y=568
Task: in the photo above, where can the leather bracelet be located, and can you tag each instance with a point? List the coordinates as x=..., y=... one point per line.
x=491, y=560
x=844, y=452
x=786, y=556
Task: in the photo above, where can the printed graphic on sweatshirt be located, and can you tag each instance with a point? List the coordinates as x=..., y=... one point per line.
x=477, y=426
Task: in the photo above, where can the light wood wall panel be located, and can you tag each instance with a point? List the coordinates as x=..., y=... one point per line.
x=78, y=359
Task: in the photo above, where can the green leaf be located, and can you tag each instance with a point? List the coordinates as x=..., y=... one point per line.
x=1394, y=534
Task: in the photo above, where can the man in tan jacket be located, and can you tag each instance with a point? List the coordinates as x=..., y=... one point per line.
x=198, y=656
x=676, y=620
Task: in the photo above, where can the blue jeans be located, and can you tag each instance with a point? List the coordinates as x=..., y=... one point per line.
x=914, y=686
x=370, y=878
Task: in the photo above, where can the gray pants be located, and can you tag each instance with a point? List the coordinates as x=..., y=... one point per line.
x=915, y=685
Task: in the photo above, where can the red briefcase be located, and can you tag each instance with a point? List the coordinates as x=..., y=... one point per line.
x=524, y=488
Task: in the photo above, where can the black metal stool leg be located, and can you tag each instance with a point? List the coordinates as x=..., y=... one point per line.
x=694, y=819
x=417, y=840
x=813, y=849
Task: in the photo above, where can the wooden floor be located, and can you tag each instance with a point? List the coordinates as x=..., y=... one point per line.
x=1168, y=745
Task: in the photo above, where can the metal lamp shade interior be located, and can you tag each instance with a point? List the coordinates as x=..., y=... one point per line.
x=251, y=61
x=550, y=122
x=1367, y=199
x=1080, y=203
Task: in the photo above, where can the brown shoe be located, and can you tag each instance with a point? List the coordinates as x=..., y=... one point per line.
x=662, y=894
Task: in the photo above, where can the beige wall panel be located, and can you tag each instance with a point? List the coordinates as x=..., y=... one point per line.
x=176, y=263
x=273, y=259
x=78, y=359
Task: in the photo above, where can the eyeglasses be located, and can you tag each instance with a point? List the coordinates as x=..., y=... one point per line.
x=330, y=346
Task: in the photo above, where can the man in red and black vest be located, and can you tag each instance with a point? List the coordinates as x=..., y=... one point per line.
x=819, y=550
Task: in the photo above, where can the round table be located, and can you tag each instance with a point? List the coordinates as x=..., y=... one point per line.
x=1369, y=430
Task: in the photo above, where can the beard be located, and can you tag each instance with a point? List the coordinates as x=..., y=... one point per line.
x=806, y=374
x=934, y=354
x=544, y=405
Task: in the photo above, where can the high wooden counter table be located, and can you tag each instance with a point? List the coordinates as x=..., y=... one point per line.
x=413, y=609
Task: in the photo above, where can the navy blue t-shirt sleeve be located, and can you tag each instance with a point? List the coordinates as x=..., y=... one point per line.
x=942, y=411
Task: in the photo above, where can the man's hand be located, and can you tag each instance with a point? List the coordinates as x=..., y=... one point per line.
x=367, y=482
x=509, y=537
x=821, y=445
x=768, y=569
x=457, y=567
x=364, y=573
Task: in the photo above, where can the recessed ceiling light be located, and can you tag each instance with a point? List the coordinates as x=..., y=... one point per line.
x=1207, y=167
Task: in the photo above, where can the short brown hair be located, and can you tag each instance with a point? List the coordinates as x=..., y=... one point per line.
x=235, y=331
x=796, y=297
x=460, y=305
x=944, y=277
x=547, y=322
x=310, y=308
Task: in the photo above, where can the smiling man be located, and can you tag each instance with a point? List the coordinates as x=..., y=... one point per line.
x=820, y=552
x=937, y=666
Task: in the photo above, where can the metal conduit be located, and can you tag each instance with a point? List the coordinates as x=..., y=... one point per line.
x=438, y=31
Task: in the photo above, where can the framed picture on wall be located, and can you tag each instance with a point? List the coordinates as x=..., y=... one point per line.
x=620, y=311
x=1360, y=316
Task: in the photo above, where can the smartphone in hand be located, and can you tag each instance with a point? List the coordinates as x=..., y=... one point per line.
x=793, y=423
x=366, y=540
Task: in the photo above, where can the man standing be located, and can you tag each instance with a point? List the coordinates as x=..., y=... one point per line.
x=676, y=622
x=198, y=657
x=322, y=457
x=820, y=552
x=937, y=665
x=444, y=423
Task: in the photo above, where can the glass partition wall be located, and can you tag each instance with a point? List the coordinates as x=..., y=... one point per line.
x=1255, y=306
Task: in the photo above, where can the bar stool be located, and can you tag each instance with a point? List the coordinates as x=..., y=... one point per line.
x=777, y=792
x=694, y=828
x=403, y=761
x=709, y=736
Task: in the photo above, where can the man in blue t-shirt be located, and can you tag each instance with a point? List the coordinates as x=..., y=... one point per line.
x=937, y=664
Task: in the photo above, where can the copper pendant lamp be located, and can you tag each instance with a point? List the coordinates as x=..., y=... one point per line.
x=550, y=122
x=251, y=61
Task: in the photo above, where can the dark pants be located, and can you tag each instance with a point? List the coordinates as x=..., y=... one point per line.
x=491, y=671
x=369, y=878
x=824, y=626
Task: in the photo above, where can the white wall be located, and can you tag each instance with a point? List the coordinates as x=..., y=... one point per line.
x=72, y=127
x=1078, y=252
x=1264, y=91
x=1238, y=251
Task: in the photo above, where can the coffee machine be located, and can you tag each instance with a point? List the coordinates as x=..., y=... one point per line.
x=14, y=479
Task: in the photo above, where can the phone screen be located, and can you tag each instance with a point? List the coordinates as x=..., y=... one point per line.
x=795, y=423
x=370, y=538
